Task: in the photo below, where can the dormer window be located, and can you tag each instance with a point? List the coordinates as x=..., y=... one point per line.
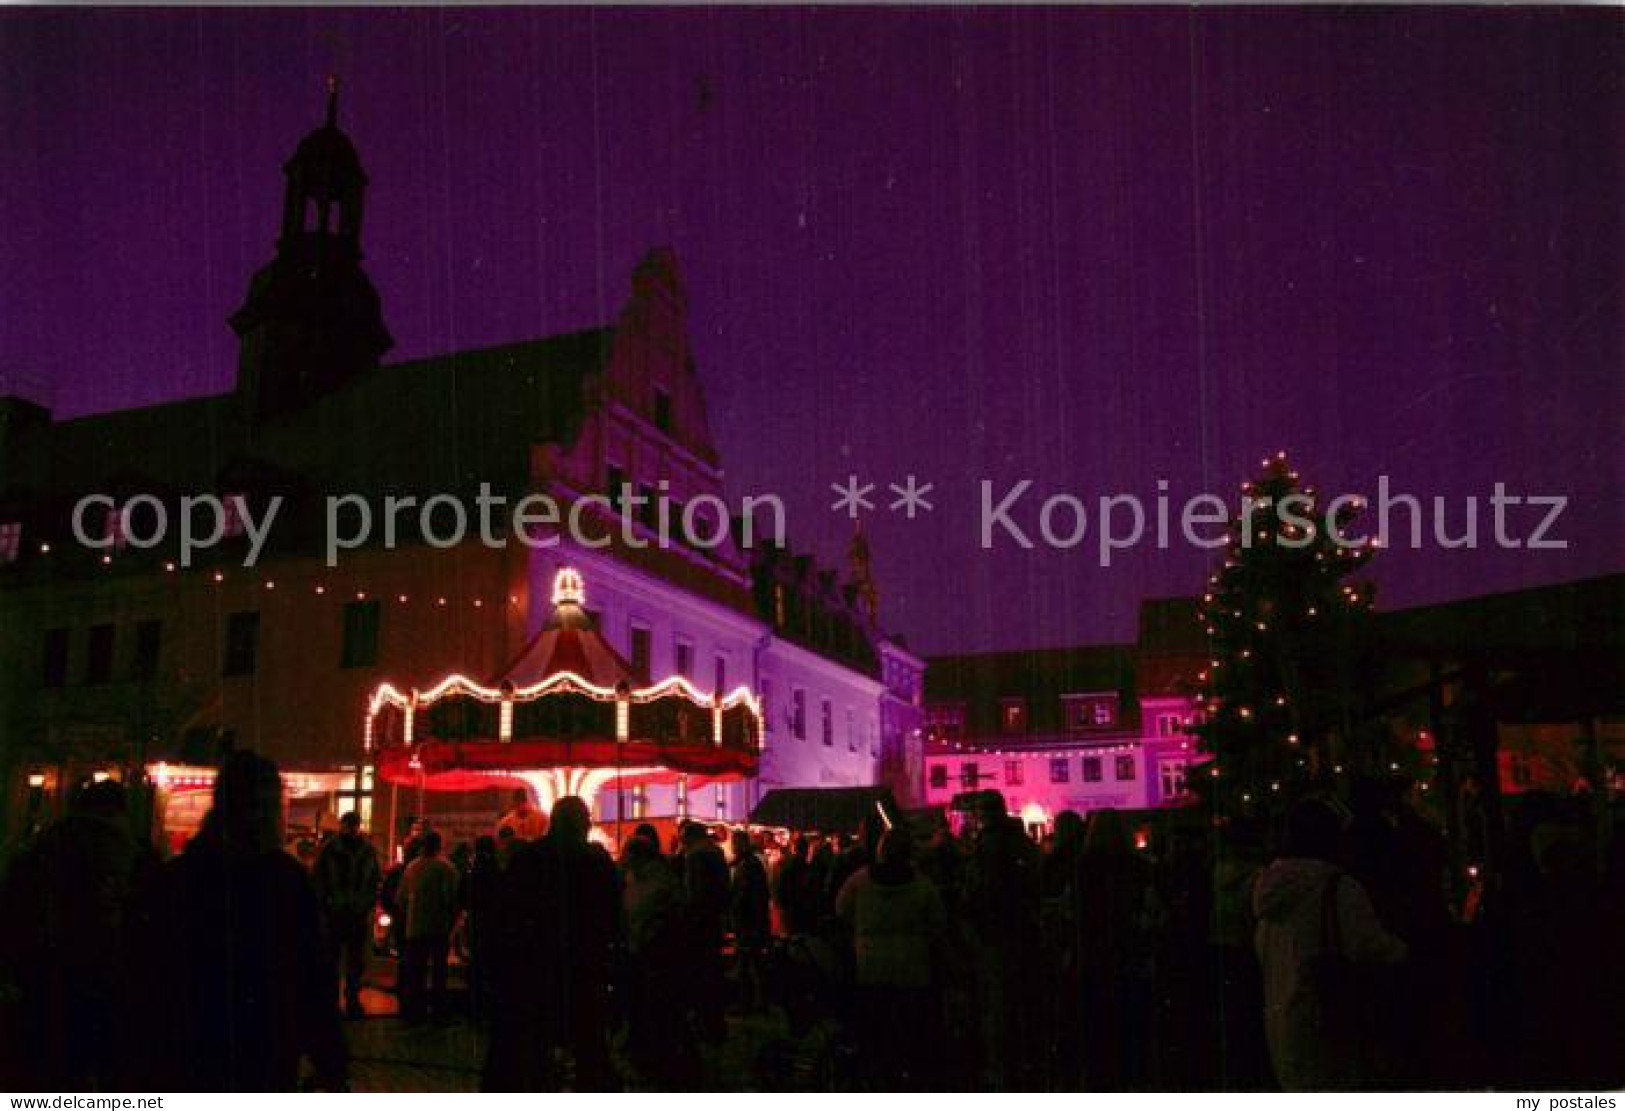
x=1012, y=715
x=11, y=541
x=113, y=529
x=945, y=721
x=1086, y=712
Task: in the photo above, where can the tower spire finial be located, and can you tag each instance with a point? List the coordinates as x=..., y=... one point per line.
x=332, y=100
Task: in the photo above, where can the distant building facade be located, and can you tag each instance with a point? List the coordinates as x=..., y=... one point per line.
x=1082, y=729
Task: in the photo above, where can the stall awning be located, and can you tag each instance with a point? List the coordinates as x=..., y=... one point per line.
x=824, y=809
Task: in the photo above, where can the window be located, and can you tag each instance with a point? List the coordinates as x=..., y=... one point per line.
x=778, y=605
x=99, y=654
x=11, y=541
x=662, y=410
x=798, y=714
x=1012, y=773
x=640, y=650
x=148, y=639
x=1060, y=770
x=969, y=776
x=719, y=674
x=1170, y=725
x=1013, y=715
x=945, y=721
x=874, y=739
x=113, y=528
x=55, y=670
x=615, y=479
x=360, y=634
x=242, y=643
x=640, y=801
x=826, y=722
x=851, y=730
x=1171, y=777
x=722, y=800
x=764, y=698
x=1125, y=768
x=1091, y=769
x=939, y=777
x=231, y=516
x=683, y=653
x=1090, y=711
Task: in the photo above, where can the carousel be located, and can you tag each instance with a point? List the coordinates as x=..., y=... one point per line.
x=567, y=717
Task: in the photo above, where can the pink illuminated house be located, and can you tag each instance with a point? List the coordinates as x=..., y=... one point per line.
x=1083, y=728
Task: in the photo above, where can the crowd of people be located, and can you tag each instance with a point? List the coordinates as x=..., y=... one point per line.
x=1321, y=955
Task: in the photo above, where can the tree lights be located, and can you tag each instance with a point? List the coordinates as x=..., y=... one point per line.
x=1286, y=632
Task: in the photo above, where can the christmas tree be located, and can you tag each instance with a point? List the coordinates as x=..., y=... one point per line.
x=1288, y=632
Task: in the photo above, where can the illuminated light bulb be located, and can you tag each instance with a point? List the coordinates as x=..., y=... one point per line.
x=361, y=595
x=45, y=548
x=478, y=603
x=1291, y=738
x=1280, y=700
x=107, y=560
x=219, y=576
x=402, y=599
x=439, y=601
x=169, y=565
x=320, y=589
x=270, y=585
x=568, y=587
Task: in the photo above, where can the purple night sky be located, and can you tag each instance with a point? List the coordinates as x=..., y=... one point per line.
x=1094, y=248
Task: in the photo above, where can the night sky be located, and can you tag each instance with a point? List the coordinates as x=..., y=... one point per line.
x=1092, y=248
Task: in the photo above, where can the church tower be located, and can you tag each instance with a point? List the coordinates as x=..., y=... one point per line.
x=312, y=318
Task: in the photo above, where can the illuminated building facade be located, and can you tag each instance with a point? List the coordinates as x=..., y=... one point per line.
x=140, y=661
x=1085, y=728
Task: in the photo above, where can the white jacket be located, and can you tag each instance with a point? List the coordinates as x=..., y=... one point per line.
x=1289, y=902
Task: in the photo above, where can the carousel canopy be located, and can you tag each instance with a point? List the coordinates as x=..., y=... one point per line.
x=568, y=701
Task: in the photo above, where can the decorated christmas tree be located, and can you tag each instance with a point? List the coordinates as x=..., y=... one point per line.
x=1288, y=629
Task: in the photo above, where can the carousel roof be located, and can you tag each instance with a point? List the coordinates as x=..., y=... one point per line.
x=568, y=700
x=569, y=644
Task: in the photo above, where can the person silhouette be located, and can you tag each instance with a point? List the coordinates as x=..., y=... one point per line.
x=240, y=983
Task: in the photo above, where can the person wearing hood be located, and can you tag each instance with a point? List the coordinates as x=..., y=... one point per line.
x=897, y=923
x=1315, y=927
